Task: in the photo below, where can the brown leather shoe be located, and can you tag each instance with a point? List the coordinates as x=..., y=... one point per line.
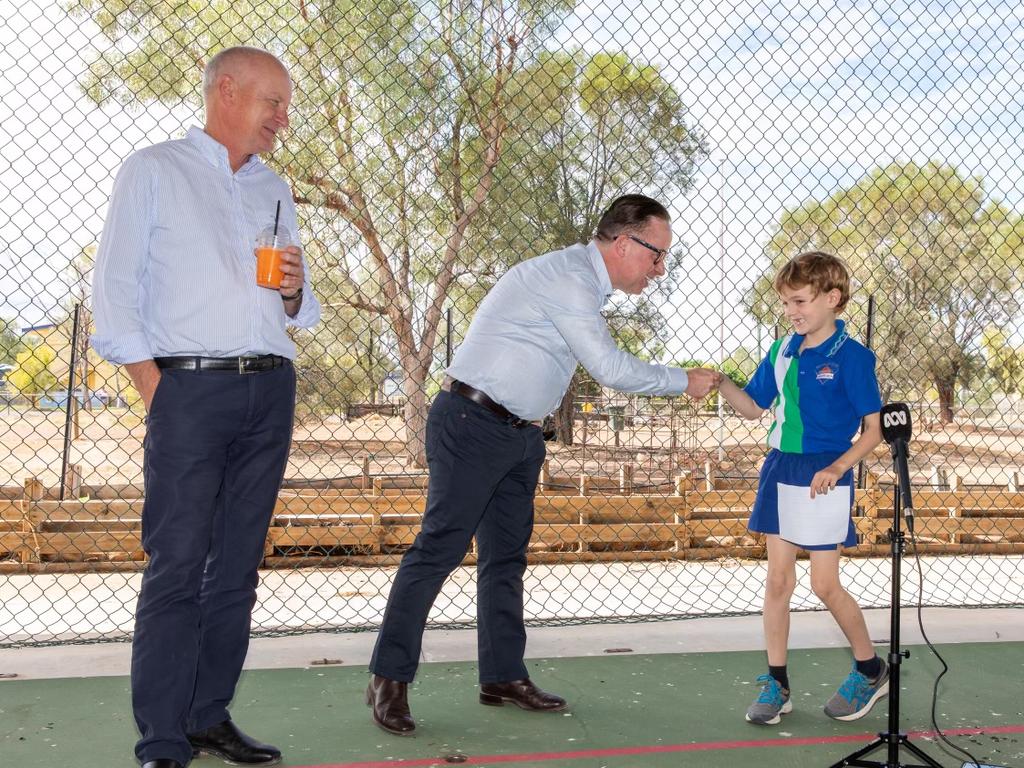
x=523, y=693
x=389, y=703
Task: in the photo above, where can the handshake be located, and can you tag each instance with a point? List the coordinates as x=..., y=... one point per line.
x=702, y=382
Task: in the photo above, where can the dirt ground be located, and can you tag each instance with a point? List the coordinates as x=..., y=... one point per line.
x=109, y=449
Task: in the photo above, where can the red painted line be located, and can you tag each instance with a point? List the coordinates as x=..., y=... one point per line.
x=653, y=749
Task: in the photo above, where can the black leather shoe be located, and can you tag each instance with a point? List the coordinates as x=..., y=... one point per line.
x=523, y=693
x=389, y=703
x=163, y=762
x=232, y=746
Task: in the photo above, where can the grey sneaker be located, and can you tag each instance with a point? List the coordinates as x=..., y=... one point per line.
x=771, y=703
x=857, y=695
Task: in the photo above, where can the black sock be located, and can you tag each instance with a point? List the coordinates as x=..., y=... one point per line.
x=871, y=668
x=779, y=673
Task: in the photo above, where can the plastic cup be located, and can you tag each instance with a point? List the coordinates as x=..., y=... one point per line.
x=269, y=247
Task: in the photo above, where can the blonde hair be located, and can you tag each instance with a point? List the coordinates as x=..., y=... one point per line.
x=823, y=272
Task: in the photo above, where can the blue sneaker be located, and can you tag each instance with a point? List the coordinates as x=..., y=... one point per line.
x=857, y=695
x=771, y=703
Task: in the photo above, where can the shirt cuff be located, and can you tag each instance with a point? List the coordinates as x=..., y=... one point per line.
x=679, y=380
x=124, y=350
x=309, y=311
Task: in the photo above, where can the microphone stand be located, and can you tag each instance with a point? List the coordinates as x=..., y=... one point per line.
x=893, y=738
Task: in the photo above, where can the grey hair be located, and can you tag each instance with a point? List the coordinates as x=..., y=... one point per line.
x=222, y=63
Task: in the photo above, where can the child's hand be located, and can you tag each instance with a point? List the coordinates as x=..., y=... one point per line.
x=825, y=480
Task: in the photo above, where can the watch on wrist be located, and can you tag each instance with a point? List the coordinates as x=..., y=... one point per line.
x=293, y=297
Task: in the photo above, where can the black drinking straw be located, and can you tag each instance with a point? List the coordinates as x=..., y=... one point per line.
x=277, y=216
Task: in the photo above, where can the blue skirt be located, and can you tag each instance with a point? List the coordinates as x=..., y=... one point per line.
x=794, y=469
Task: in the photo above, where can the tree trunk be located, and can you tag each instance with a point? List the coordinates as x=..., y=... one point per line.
x=565, y=413
x=415, y=413
x=946, y=389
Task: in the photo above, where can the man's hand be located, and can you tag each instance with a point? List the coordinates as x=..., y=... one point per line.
x=145, y=376
x=701, y=382
x=291, y=268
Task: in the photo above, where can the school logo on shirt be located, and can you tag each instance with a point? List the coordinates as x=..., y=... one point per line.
x=826, y=372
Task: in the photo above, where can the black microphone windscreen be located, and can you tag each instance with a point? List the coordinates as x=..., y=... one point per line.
x=895, y=418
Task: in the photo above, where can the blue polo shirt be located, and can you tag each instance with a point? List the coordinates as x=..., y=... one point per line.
x=819, y=395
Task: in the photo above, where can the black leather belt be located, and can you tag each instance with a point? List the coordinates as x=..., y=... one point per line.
x=481, y=398
x=244, y=364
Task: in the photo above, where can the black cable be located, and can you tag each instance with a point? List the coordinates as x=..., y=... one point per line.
x=932, y=648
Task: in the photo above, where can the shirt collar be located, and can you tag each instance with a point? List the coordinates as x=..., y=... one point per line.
x=215, y=153
x=828, y=348
x=597, y=262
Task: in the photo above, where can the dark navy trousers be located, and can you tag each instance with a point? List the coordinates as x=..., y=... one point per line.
x=215, y=452
x=483, y=476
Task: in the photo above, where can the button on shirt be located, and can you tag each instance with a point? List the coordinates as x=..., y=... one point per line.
x=820, y=395
x=176, y=272
x=540, y=319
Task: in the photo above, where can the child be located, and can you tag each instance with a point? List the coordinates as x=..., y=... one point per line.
x=821, y=384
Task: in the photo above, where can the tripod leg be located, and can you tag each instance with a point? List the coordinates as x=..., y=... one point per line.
x=854, y=757
x=921, y=754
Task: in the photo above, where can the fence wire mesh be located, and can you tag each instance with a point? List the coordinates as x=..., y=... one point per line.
x=435, y=144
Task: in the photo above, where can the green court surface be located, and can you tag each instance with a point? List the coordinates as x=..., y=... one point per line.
x=626, y=711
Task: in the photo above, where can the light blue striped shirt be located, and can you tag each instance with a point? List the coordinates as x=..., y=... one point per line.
x=540, y=319
x=176, y=272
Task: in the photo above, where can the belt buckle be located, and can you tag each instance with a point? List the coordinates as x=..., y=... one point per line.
x=242, y=361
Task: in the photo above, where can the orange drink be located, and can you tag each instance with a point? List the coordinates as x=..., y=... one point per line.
x=268, y=267
x=270, y=244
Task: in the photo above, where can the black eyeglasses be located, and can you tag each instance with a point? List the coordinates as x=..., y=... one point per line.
x=660, y=253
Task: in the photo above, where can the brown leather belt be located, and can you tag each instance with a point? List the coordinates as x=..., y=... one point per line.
x=480, y=398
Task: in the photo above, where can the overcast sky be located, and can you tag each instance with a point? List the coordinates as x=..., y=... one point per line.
x=796, y=98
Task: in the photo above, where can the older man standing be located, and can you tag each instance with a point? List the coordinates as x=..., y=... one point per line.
x=485, y=448
x=177, y=303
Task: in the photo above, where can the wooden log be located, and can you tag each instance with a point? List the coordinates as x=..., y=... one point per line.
x=682, y=484
x=570, y=527
x=944, y=478
x=73, y=481
x=709, y=476
x=31, y=516
x=626, y=479
x=33, y=489
x=583, y=519
x=701, y=530
x=76, y=546
x=585, y=482
x=99, y=566
x=366, y=537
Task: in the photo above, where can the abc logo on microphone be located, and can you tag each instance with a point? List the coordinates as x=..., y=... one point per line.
x=894, y=419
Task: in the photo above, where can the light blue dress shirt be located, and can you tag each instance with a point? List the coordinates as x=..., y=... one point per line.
x=176, y=270
x=540, y=319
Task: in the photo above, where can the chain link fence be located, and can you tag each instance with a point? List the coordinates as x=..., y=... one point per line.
x=434, y=145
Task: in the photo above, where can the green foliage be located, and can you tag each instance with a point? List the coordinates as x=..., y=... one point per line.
x=1004, y=363
x=31, y=374
x=431, y=147
x=10, y=341
x=739, y=366
x=941, y=258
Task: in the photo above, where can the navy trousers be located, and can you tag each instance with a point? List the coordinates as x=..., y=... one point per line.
x=483, y=477
x=215, y=451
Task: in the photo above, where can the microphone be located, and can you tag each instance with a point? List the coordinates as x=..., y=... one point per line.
x=896, y=431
